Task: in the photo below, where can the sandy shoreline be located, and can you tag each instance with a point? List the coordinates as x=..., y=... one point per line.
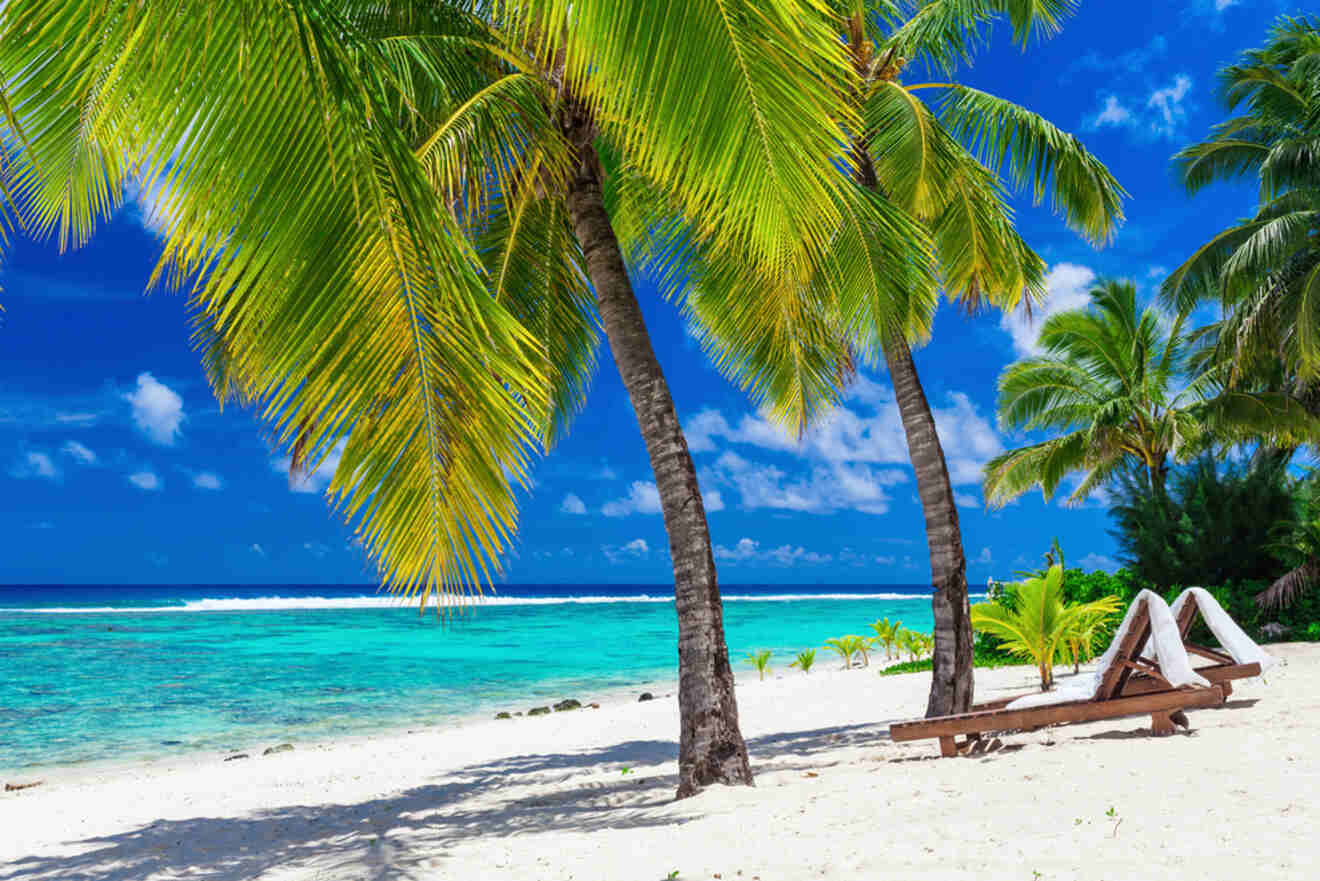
x=589, y=795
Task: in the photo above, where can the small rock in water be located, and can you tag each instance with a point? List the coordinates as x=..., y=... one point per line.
x=282, y=748
x=568, y=704
x=538, y=711
x=15, y=787
x=237, y=756
x=503, y=716
x=171, y=742
x=646, y=696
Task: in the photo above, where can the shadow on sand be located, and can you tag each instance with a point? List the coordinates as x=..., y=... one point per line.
x=405, y=835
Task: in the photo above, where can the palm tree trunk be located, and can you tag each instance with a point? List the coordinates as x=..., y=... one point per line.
x=951, y=658
x=711, y=747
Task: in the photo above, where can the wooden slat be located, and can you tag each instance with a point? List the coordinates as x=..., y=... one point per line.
x=1186, y=616
x=1222, y=673
x=1077, y=711
x=1208, y=653
x=1133, y=642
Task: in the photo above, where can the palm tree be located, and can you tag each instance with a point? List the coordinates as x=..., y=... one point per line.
x=1040, y=625
x=399, y=235
x=760, y=660
x=886, y=633
x=941, y=162
x=1109, y=381
x=1265, y=270
x=1299, y=545
x=845, y=647
x=804, y=660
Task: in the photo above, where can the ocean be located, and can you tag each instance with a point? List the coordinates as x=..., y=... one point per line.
x=116, y=672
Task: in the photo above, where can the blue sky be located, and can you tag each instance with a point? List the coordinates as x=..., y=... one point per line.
x=116, y=464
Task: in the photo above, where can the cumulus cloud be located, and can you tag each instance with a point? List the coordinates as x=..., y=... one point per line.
x=1161, y=115
x=572, y=505
x=315, y=480
x=1068, y=286
x=1168, y=107
x=1113, y=113
x=157, y=409
x=642, y=498
x=145, y=480
x=749, y=550
x=80, y=453
x=966, y=500
x=207, y=480
x=844, y=449
x=633, y=550
x=37, y=465
x=1098, y=561
x=257, y=549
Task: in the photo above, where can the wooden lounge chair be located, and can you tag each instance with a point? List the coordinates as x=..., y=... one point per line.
x=1130, y=685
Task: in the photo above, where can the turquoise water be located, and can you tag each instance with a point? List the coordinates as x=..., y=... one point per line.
x=136, y=673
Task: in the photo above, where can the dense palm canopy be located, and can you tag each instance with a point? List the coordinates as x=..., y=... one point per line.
x=1112, y=380
x=1040, y=626
x=1265, y=270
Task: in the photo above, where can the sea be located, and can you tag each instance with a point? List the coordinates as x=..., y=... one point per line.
x=92, y=673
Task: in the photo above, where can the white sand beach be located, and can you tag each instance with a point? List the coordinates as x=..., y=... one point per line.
x=588, y=796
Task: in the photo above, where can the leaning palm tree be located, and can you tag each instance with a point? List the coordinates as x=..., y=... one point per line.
x=395, y=223
x=941, y=161
x=1109, y=381
x=1299, y=546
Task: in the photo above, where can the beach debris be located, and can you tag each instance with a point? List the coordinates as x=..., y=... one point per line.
x=568, y=704
x=645, y=696
x=503, y=715
x=15, y=787
x=282, y=748
x=236, y=756
x=538, y=711
x=594, y=706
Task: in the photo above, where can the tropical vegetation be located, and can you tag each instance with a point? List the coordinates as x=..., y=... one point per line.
x=760, y=659
x=1034, y=622
x=804, y=659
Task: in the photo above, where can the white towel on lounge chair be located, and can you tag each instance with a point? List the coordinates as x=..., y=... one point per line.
x=1165, y=648
x=1232, y=639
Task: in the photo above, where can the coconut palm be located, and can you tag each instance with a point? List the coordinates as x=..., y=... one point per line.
x=1039, y=625
x=804, y=660
x=760, y=660
x=1109, y=381
x=1299, y=545
x=941, y=161
x=1265, y=271
x=886, y=633
x=399, y=236
x=845, y=647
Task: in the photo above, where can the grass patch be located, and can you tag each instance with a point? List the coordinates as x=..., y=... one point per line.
x=925, y=664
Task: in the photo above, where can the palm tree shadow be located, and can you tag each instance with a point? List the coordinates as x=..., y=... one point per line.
x=406, y=835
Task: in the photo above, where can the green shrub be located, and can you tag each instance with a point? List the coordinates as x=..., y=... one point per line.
x=805, y=659
x=760, y=660
x=1313, y=632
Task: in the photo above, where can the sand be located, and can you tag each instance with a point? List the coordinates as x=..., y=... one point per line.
x=588, y=795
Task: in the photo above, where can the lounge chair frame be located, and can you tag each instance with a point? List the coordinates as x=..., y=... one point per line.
x=1131, y=686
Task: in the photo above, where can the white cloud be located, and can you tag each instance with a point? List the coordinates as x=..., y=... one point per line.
x=1221, y=5
x=633, y=550
x=1167, y=104
x=1068, y=286
x=149, y=206
x=1113, y=113
x=257, y=549
x=37, y=465
x=76, y=419
x=316, y=549
x=207, y=480
x=317, y=479
x=80, y=453
x=865, y=431
x=157, y=409
x=984, y=558
x=966, y=500
x=749, y=550
x=642, y=498
x=712, y=499
x=572, y=505
x=1098, y=561
x=145, y=480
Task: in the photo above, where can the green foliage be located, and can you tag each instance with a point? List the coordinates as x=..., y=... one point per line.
x=1313, y=631
x=886, y=634
x=760, y=660
x=1113, y=389
x=982, y=659
x=914, y=643
x=805, y=659
x=846, y=647
x=1218, y=523
x=1039, y=625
